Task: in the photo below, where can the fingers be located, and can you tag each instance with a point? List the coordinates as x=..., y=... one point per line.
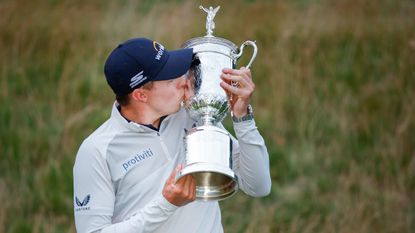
x=244, y=86
x=242, y=77
x=188, y=187
x=234, y=90
x=239, y=95
x=172, y=178
x=180, y=192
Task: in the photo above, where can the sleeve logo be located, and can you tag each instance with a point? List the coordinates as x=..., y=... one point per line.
x=82, y=205
x=84, y=202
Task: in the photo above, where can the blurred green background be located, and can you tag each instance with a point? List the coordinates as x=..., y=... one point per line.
x=335, y=102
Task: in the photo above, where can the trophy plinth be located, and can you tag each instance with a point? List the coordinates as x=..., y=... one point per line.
x=208, y=159
x=208, y=148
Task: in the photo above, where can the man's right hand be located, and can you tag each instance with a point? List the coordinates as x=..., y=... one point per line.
x=181, y=192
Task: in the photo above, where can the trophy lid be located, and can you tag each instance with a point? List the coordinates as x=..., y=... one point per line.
x=209, y=38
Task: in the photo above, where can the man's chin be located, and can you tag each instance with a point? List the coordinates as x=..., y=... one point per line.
x=176, y=109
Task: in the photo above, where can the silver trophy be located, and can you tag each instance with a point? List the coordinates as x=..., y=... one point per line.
x=208, y=148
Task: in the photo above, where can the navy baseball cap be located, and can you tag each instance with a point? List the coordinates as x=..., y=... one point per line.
x=137, y=61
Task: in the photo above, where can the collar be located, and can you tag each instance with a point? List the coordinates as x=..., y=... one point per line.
x=131, y=125
x=118, y=106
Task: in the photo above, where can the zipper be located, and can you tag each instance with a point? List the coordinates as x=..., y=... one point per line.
x=164, y=147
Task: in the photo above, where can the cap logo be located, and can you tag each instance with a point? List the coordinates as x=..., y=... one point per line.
x=137, y=79
x=160, y=50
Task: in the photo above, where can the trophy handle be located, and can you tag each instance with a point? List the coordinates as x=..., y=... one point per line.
x=241, y=49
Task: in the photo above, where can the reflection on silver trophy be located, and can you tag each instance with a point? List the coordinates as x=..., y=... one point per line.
x=208, y=155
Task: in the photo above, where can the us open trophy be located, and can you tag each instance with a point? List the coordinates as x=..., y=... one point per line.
x=208, y=148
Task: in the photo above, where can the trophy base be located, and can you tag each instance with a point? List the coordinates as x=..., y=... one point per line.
x=213, y=182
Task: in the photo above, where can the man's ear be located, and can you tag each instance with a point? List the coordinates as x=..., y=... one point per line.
x=140, y=95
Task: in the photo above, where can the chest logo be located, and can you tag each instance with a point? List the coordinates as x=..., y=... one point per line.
x=137, y=159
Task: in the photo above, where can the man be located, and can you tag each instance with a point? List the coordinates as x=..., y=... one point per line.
x=124, y=173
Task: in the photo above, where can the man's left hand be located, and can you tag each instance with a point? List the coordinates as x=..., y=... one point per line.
x=240, y=92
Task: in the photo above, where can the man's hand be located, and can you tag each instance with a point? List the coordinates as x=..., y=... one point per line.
x=181, y=192
x=240, y=93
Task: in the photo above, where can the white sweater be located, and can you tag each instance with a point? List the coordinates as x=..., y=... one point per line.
x=121, y=168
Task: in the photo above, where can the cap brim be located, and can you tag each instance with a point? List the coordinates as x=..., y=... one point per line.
x=178, y=64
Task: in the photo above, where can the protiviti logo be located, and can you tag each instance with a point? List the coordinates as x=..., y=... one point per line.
x=160, y=50
x=137, y=159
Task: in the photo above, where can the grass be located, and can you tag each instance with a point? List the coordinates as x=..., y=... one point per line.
x=334, y=101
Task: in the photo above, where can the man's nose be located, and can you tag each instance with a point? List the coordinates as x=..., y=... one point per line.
x=181, y=82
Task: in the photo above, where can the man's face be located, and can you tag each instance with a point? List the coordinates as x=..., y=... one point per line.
x=165, y=96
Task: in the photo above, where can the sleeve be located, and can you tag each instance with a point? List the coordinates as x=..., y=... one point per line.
x=251, y=160
x=94, y=198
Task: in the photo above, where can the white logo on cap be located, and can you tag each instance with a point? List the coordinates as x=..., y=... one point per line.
x=159, y=48
x=137, y=79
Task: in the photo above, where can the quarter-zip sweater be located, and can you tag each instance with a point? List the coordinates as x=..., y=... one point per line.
x=121, y=168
